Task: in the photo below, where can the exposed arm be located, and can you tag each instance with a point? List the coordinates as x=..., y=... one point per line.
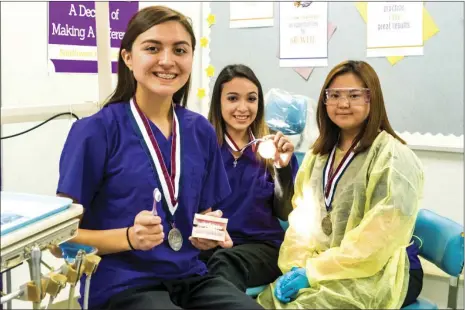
x=106, y=241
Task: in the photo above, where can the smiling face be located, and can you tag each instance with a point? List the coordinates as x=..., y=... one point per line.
x=161, y=59
x=239, y=104
x=347, y=102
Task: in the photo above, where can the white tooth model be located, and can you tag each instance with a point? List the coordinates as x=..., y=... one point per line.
x=209, y=227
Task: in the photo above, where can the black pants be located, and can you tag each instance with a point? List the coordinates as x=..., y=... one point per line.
x=245, y=265
x=415, y=285
x=200, y=292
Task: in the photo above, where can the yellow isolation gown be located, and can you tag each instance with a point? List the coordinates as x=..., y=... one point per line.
x=363, y=264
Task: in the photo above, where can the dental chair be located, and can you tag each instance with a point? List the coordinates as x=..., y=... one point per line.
x=440, y=241
x=292, y=114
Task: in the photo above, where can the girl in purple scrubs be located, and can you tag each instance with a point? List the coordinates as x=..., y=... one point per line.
x=144, y=139
x=261, y=192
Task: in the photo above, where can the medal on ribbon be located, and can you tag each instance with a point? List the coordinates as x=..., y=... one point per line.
x=233, y=146
x=330, y=179
x=266, y=148
x=169, y=180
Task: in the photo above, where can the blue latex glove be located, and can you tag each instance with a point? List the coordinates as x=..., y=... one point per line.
x=289, y=284
x=69, y=250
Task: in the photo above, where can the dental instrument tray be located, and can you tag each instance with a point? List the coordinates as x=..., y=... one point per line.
x=20, y=210
x=28, y=220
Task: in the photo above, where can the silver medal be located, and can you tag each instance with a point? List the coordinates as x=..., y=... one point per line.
x=175, y=239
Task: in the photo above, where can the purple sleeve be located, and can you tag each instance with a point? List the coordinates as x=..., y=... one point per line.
x=216, y=185
x=82, y=160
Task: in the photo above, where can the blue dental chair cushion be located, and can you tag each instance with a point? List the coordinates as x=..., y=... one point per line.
x=255, y=291
x=421, y=304
x=286, y=114
x=442, y=241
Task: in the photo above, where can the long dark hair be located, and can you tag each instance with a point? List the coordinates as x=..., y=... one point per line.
x=139, y=23
x=377, y=118
x=258, y=127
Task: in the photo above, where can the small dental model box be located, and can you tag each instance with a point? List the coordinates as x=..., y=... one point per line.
x=209, y=227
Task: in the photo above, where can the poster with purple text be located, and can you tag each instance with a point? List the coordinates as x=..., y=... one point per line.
x=72, y=43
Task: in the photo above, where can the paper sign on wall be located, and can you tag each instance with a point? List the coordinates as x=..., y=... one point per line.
x=394, y=29
x=303, y=35
x=72, y=43
x=306, y=72
x=250, y=14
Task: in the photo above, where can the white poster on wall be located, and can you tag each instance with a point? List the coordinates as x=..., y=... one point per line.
x=394, y=29
x=303, y=35
x=250, y=14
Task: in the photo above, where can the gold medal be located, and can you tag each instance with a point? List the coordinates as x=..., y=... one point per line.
x=327, y=225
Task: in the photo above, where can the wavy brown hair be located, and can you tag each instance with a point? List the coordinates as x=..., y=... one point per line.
x=142, y=21
x=377, y=118
x=258, y=127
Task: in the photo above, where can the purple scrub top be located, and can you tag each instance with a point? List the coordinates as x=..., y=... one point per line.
x=249, y=208
x=105, y=167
